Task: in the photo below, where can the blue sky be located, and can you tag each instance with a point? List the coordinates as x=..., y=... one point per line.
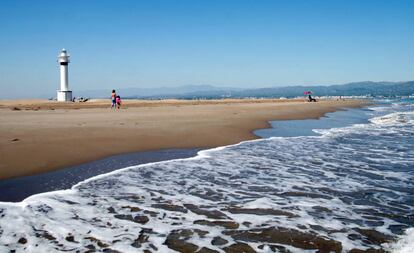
x=119, y=44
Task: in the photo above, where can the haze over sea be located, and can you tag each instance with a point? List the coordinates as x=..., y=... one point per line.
x=343, y=188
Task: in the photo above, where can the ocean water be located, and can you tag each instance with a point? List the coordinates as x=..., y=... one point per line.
x=342, y=188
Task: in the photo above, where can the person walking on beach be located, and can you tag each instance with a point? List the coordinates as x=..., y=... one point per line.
x=118, y=101
x=113, y=98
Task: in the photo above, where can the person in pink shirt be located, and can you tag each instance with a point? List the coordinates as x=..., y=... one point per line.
x=118, y=101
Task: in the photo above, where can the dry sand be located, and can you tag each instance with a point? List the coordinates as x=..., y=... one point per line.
x=38, y=136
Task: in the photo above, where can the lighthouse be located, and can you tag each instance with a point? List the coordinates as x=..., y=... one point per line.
x=64, y=94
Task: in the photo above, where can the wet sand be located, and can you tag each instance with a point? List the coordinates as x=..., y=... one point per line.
x=38, y=136
x=17, y=189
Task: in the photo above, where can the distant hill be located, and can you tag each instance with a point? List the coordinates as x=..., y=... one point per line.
x=387, y=89
x=162, y=92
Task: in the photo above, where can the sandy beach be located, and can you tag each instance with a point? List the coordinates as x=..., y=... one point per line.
x=38, y=136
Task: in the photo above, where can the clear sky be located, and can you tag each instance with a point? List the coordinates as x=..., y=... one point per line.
x=237, y=43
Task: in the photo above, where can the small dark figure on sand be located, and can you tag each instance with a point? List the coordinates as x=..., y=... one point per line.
x=311, y=99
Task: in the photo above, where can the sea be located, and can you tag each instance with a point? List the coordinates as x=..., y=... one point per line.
x=343, y=183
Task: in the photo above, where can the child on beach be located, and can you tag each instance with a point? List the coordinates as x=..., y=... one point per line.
x=113, y=97
x=118, y=101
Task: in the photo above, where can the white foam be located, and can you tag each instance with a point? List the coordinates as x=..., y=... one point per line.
x=405, y=243
x=379, y=108
x=393, y=118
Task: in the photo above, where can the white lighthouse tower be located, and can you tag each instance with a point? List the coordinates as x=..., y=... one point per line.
x=64, y=94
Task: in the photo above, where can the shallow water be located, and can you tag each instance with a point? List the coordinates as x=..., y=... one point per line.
x=345, y=188
x=17, y=189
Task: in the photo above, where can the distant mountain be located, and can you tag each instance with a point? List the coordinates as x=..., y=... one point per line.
x=388, y=89
x=162, y=92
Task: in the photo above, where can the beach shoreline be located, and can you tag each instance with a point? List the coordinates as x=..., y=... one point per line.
x=20, y=188
x=41, y=136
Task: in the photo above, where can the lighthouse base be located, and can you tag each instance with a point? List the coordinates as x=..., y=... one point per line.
x=64, y=95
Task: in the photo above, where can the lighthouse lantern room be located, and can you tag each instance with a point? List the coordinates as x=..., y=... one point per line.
x=64, y=94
